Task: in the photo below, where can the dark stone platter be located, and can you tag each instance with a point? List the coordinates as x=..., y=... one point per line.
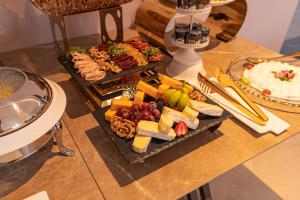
x=207, y=123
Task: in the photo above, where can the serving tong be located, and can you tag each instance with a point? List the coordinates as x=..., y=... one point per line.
x=207, y=86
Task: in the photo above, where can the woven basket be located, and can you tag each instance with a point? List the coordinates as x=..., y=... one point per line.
x=68, y=7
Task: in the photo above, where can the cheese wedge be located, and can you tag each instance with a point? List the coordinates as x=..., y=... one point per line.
x=190, y=113
x=162, y=88
x=140, y=143
x=173, y=82
x=120, y=103
x=139, y=98
x=179, y=116
x=205, y=108
x=165, y=124
x=109, y=114
x=148, y=89
x=150, y=128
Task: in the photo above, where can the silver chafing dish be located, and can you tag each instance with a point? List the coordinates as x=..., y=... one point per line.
x=30, y=112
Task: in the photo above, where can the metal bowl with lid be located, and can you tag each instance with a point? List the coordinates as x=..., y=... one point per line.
x=30, y=112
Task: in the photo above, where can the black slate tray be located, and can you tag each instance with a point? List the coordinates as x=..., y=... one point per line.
x=156, y=145
x=69, y=66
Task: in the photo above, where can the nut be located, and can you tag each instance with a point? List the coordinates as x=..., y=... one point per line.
x=123, y=127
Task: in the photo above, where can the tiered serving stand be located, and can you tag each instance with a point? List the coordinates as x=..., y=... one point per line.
x=187, y=63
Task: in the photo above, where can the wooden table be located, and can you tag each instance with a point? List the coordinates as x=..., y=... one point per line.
x=101, y=172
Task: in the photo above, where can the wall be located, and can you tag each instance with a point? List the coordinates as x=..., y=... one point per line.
x=22, y=25
x=267, y=21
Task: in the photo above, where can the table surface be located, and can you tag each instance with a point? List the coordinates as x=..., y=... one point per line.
x=99, y=171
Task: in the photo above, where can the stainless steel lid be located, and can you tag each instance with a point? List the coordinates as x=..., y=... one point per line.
x=24, y=96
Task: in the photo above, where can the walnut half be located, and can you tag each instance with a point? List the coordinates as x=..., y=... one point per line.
x=123, y=127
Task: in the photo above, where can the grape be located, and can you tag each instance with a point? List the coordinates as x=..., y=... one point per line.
x=145, y=106
x=145, y=115
x=156, y=113
x=138, y=115
x=151, y=118
x=119, y=112
x=153, y=104
x=125, y=115
x=135, y=108
x=131, y=117
x=161, y=104
x=136, y=121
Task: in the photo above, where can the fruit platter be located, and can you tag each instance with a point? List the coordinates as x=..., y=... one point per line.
x=156, y=118
x=274, y=84
x=112, y=60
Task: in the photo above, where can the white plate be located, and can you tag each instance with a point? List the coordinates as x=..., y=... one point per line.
x=221, y=3
x=275, y=124
x=39, y=127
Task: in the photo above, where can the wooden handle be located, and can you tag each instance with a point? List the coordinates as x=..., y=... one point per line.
x=226, y=81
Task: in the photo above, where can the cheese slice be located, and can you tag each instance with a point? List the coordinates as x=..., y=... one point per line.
x=162, y=88
x=148, y=89
x=139, y=98
x=179, y=116
x=173, y=82
x=206, y=108
x=150, y=128
x=165, y=124
x=109, y=114
x=190, y=113
x=120, y=103
x=140, y=143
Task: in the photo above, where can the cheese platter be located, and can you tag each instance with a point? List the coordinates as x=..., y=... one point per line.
x=158, y=117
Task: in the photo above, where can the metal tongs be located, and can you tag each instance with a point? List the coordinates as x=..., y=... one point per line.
x=258, y=117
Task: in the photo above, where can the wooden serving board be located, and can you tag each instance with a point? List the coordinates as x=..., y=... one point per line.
x=206, y=128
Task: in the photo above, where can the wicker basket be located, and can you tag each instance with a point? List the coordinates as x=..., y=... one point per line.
x=68, y=7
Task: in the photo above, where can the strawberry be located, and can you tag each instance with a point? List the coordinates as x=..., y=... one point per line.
x=181, y=129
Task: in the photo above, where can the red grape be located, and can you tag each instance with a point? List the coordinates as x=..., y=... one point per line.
x=145, y=106
x=151, y=118
x=138, y=115
x=156, y=113
x=131, y=117
x=153, y=104
x=145, y=115
x=135, y=108
x=119, y=112
x=125, y=115
x=136, y=121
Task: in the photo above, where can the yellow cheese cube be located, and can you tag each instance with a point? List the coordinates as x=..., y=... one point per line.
x=120, y=103
x=173, y=82
x=109, y=114
x=140, y=143
x=162, y=88
x=125, y=98
x=139, y=98
x=148, y=89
